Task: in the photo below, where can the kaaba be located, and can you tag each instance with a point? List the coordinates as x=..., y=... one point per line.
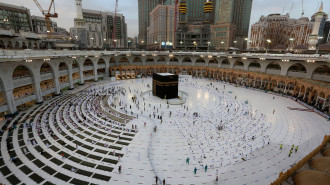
x=165, y=85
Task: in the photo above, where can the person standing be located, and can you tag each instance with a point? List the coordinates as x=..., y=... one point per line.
x=195, y=170
x=156, y=179
x=164, y=182
x=187, y=160
x=205, y=168
x=119, y=169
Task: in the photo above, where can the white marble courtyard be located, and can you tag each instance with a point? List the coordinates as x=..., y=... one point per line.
x=182, y=135
x=79, y=147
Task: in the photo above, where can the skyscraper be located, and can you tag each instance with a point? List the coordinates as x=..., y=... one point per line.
x=236, y=12
x=241, y=19
x=144, y=8
x=195, y=13
x=161, y=29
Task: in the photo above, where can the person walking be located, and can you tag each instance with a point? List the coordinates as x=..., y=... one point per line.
x=156, y=179
x=187, y=160
x=119, y=169
x=281, y=146
x=205, y=168
x=195, y=170
x=290, y=153
x=296, y=149
x=164, y=182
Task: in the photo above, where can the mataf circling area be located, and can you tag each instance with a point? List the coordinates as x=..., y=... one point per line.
x=118, y=133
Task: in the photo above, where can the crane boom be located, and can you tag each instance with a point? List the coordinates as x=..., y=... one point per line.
x=302, y=7
x=39, y=6
x=47, y=15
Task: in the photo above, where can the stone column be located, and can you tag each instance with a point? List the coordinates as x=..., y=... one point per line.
x=96, y=78
x=57, y=86
x=106, y=75
x=10, y=101
x=38, y=93
x=71, y=87
x=81, y=75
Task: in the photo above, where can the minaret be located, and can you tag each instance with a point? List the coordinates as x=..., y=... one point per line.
x=79, y=9
x=314, y=37
x=208, y=8
x=182, y=24
x=79, y=24
x=183, y=12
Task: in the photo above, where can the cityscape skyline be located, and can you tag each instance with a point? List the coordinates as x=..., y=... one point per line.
x=130, y=10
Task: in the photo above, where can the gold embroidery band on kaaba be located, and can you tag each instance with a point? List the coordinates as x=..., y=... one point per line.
x=165, y=83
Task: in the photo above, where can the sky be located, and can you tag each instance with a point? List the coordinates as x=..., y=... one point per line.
x=67, y=11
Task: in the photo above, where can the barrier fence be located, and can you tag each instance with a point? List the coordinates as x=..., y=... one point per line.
x=284, y=176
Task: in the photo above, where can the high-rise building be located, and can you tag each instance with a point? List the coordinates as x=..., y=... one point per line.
x=94, y=29
x=16, y=18
x=241, y=19
x=223, y=11
x=194, y=35
x=326, y=33
x=280, y=30
x=195, y=13
x=40, y=26
x=144, y=9
x=238, y=13
x=319, y=20
x=16, y=28
x=161, y=29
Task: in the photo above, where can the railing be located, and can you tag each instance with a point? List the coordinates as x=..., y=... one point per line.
x=12, y=55
x=284, y=176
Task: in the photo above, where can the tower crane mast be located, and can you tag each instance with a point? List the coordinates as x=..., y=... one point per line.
x=48, y=15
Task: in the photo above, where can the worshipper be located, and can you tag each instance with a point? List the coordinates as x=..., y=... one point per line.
x=187, y=160
x=119, y=169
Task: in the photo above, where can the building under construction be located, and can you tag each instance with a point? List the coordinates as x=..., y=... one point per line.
x=94, y=29
x=194, y=35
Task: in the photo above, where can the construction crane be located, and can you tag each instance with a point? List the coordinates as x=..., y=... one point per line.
x=48, y=15
x=302, y=5
x=114, y=41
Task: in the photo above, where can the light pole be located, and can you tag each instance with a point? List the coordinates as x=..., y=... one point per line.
x=181, y=42
x=268, y=42
x=115, y=43
x=155, y=44
x=291, y=41
x=222, y=43
x=195, y=44
x=247, y=41
x=208, y=46
x=129, y=44
x=105, y=44
x=235, y=43
x=317, y=44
